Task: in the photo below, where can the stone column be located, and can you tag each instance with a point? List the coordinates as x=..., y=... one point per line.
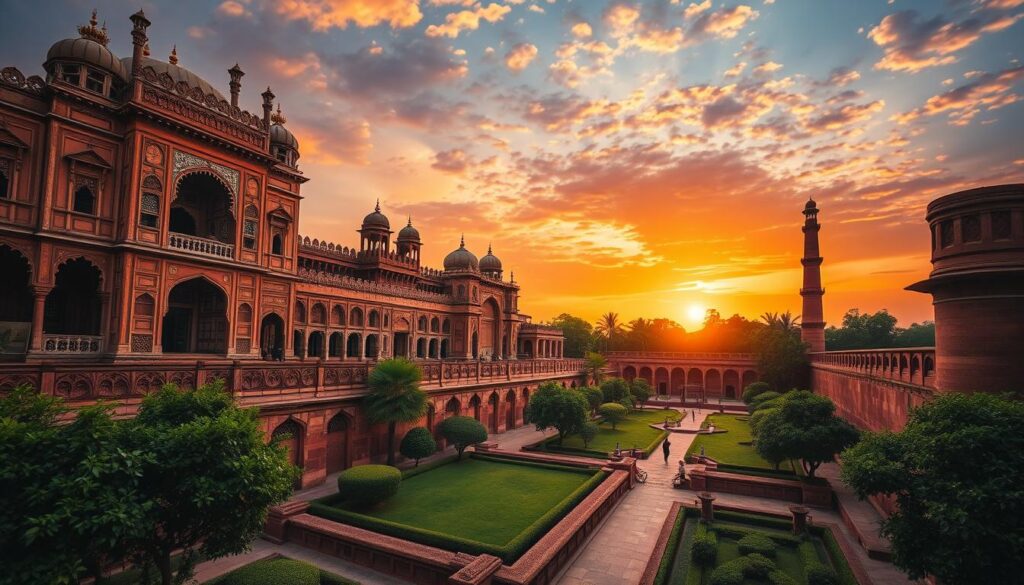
x=799, y=519
x=707, y=508
x=38, y=311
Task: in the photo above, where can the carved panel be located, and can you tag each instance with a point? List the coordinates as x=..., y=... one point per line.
x=142, y=343
x=184, y=161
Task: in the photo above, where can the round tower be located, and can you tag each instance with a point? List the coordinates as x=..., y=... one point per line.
x=812, y=319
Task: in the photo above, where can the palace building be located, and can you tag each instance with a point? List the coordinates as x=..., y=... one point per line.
x=149, y=234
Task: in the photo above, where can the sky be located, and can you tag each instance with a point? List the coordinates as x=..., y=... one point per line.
x=649, y=158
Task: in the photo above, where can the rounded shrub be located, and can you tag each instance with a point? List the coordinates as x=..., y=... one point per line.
x=754, y=567
x=463, y=431
x=757, y=566
x=762, y=398
x=752, y=390
x=728, y=574
x=757, y=543
x=819, y=574
x=778, y=577
x=369, y=484
x=417, y=444
x=278, y=571
x=612, y=413
x=588, y=431
x=705, y=547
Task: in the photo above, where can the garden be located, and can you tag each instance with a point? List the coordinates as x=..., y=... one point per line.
x=742, y=548
x=479, y=504
x=632, y=431
x=733, y=449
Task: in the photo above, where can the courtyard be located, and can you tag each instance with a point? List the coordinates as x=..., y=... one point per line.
x=733, y=449
x=635, y=432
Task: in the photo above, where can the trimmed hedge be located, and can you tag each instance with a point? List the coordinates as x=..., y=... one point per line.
x=757, y=543
x=705, y=546
x=753, y=566
x=280, y=571
x=539, y=464
x=508, y=553
x=843, y=570
x=665, y=565
x=369, y=484
x=819, y=574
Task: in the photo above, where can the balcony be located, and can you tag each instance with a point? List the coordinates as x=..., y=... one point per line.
x=72, y=344
x=202, y=246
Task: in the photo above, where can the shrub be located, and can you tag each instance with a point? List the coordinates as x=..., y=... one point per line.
x=754, y=389
x=463, y=431
x=819, y=574
x=762, y=398
x=767, y=405
x=277, y=571
x=728, y=574
x=754, y=567
x=757, y=543
x=778, y=577
x=758, y=566
x=614, y=389
x=417, y=444
x=705, y=547
x=368, y=484
x=613, y=413
x=588, y=432
x=641, y=390
x=757, y=418
x=594, y=397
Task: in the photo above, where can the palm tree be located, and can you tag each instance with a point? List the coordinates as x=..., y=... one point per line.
x=784, y=322
x=594, y=366
x=394, y=397
x=609, y=326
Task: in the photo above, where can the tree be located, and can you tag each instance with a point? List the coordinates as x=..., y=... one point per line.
x=782, y=359
x=640, y=390
x=211, y=480
x=394, y=396
x=463, y=431
x=615, y=389
x=862, y=331
x=613, y=412
x=971, y=516
x=917, y=335
x=753, y=390
x=784, y=322
x=417, y=444
x=595, y=365
x=579, y=335
x=67, y=491
x=587, y=432
x=557, y=407
x=594, y=397
x=803, y=427
x=609, y=327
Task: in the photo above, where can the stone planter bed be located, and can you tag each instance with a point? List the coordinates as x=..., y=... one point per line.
x=502, y=537
x=638, y=430
x=733, y=450
x=790, y=554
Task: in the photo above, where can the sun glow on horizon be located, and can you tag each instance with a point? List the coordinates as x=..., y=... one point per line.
x=695, y=314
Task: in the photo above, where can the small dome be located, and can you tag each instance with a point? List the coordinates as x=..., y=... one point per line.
x=810, y=204
x=376, y=219
x=409, y=233
x=490, y=262
x=90, y=49
x=461, y=259
x=282, y=136
x=177, y=73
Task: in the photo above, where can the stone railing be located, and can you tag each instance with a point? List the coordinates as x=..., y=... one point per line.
x=72, y=344
x=351, y=283
x=202, y=246
x=677, y=355
x=910, y=365
x=256, y=381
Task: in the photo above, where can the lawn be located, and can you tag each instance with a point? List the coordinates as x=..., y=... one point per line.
x=728, y=448
x=632, y=432
x=791, y=555
x=479, y=504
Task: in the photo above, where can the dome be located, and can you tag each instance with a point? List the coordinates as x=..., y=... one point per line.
x=490, y=262
x=461, y=259
x=177, y=73
x=280, y=135
x=90, y=49
x=810, y=204
x=376, y=219
x=409, y=233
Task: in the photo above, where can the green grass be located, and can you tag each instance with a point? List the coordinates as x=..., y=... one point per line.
x=480, y=504
x=726, y=448
x=632, y=432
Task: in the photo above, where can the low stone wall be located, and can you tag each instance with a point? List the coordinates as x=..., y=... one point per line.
x=868, y=401
x=707, y=478
x=429, y=565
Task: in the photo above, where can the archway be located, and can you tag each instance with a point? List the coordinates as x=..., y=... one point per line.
x=474, y=404
x=195, y=321
x=316, y=344
x=731, y=383
x=202, y=207
x=73, y=306
x=371, y=345
x=334, y=344
x=421, y=347
x=432, y=349
x=647, y=375
x=661, y=380
x=490, y=328
x=526, y=402
x=353, y=346
x=453, y=407
x=713, y=382
x=272, y=336
x=16, y=304
x=298, y=343
x=695, y=384
x=289, y=434
x=493, y=402
x=444, y=348
x=337, y=443
x=510, y=410
x=678, y=381
x=629, y=373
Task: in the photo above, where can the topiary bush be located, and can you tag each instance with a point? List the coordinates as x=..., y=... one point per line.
x=758, y=566
x=417, y=444
x=588, y=432
x=754, y=566
x=752, y=390
x=819, y=574
x=463, y=431
x=613, y=413
x=277, y=571
x=762, y=398
x=757, y=543
x=368, y=484
x=730, y=573
x=705, y=547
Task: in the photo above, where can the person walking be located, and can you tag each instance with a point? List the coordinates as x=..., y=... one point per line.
x=665, y=447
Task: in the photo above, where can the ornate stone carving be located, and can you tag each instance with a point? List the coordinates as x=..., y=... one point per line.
x=184, y=161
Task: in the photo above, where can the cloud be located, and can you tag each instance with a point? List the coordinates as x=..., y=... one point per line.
x=581, y=30
x=520, y=56
x=911, y=43
x=452, y=161
x=841, y=76
x=233, y=9
x=725, y=23
x=333, y=141
x=407, y=66
x=456, y=22
x=844, y=116
x=695, y=9
x=323, y=15
x=989, y=91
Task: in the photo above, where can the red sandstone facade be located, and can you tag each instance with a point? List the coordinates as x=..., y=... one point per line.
x=149, y=234
x=690, y=377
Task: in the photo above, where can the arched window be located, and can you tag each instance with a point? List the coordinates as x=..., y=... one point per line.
x=356, y=317
x=435, y=325
x=298, y=343
x=84, y=200
x=73, y=306
x=318, y=314
x=316, y=344
x=374, y=319
x=5, y=178
x=149, y=210
x=352, y=346
x=338, y=316
x=250, y=227
x=421, y=325
x=144, y=306
x=446, y=327
x=208, y=202
x=276, y=245
x=300, y=312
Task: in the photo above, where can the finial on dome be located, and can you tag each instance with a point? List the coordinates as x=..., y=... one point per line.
x=173, y=58
x=410, y=221
x=377, y=207
x=462, y=241
x=278, y=117
x=512, y=277
x=93, y=33
x=488, y=247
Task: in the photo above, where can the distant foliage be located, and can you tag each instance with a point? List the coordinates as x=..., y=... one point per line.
x=877, y=330
x=781, y=359
x=753, y=390
x=365, y=485
x=615, y=389
x=594, y=396
x=579, y=335
x=640, y=390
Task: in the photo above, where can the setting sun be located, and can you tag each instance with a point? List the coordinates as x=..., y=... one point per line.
x=695, y=314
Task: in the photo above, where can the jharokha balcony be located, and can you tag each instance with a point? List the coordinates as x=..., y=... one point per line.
x=202, y=246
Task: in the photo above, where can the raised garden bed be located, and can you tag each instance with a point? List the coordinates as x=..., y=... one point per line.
x=733, y=451
x=634, y=432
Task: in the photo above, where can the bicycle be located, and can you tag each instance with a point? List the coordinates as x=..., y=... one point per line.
x=641, y=475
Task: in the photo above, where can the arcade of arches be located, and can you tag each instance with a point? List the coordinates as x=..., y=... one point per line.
x=693, y=382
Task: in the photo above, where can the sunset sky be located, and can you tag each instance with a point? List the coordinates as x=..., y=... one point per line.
x=649, y=158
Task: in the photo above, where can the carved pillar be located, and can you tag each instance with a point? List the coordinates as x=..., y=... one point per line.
x=236, y=74
x=707, y=508
x=38, y=311
x=105, y=324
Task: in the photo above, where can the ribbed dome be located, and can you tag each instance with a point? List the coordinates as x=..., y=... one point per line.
x=409, y=233
x=282, y=136
x=461, y=259
x=376, y=219
x=810, y=204
x=88, y=52
x=177, y=73
x=490, y=262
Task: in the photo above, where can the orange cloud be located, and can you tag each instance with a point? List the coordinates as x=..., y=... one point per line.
x=324, y=15
x=456, y=22
x=520, y=56
x=990, y=91
x=581, y=30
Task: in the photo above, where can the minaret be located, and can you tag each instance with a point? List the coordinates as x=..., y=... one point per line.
x=812, y=319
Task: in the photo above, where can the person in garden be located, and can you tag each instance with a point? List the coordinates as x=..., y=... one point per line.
x=665, y=447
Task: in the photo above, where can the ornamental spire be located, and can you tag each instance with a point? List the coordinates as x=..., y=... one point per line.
x=173, y=58
x=92, y=32
x=377, y=207
x=278, y=117
x=462, y=241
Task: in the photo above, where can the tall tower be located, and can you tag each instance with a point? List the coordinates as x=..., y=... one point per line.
x=812, y=319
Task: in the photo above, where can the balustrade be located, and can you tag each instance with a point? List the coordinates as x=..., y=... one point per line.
x=910, y=365
x=202, y=246
x=72, y=344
